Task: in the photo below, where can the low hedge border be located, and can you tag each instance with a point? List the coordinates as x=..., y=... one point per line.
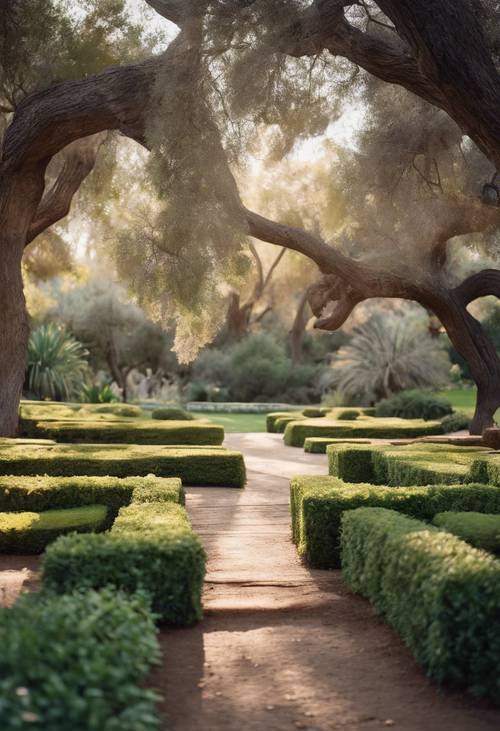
x=440, y=594
x=124, y=432
x=318, y=445
x=273, y=417
x=415, y=464
x=151, y=549
x=317, y=505
x=77, y=662
x=193, y=465
x=34, y=511
x=171, y=413
x=297, y=432
x=481, y=530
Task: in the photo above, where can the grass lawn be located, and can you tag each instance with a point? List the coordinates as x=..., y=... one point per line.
x=237, y=422
x=464, y=399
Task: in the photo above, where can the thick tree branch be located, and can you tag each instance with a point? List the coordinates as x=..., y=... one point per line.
x=341, y=311
x=79, y=161
x=481, y=284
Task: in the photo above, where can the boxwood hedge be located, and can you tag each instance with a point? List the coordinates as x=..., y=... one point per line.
x=441, y=595
x=479, y=529
x=77, y=662
x=317, y=505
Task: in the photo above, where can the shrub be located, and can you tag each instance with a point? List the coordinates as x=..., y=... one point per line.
x=318, y=445
x=77, y=662
x=94, y=394
x=414, y=464
x=296, y=432
x=133, y=432
x=171, y=412
x=456, y=422
x=479, y=529
x=151, y=548
x=41, y=492
x=31, y=532
x=193, y=465
x=56, y=363
x=273, y=417
x=414, y=405
x=126, y=410
x=317, y=504
x=348, y=414
x=314, y=412
x=441, y=595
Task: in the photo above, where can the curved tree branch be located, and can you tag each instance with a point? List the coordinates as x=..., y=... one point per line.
x=481, y=284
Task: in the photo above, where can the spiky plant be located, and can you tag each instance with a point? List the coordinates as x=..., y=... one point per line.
x=387, y=355
x=56, y=364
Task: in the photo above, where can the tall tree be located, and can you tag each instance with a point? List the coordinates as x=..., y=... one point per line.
x=236, y=66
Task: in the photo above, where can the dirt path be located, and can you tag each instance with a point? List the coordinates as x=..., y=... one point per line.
x=283, y=647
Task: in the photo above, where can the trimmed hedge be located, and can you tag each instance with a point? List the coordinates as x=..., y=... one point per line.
x=151, y=549
x=311, y=412
x=297, y=432
x=40, y=493
x=318, y=445
x=77, y=662
x=273, y=417
x=133, y=432
x=415, y=404
x=479, y=529
x=193, y=465
x=123, y=410
x=317, y=504
x=440, y=594
x=31, y=532
x=414, y=464
x=171, y=412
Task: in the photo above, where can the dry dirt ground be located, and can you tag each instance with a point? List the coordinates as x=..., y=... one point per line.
x=281, y=646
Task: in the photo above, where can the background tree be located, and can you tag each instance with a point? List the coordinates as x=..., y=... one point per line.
x=284, y=77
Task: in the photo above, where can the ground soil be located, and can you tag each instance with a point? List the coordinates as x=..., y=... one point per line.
x=281, y=646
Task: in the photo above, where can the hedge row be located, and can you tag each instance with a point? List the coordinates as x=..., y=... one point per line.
x=126, y=432
x=283, y=417
x=193, y=465
x=479, y=529
x=151, y=549
x=297, y=432
x=414, y=464
x=43, y=508
x=317, y=505
x=318, y=445
x=441, y=595
x=77, y=662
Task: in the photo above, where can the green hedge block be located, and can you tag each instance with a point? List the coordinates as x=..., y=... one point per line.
x=486, y=467
x=77, y=662
x=414, y=464
x=297, y=432
x=479, y=529
x=193, y=465
x=151, y=548
x=317, y=504
x=273, y=417
x=123, y=410
x=171, y=412
x=133, y=432
x=31, y=532
x=441, y=595
x=311, y=412
x=41, y=492
x=318, y=445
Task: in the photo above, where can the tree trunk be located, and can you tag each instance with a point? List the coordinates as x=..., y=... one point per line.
x=19, y=196
x=470, y=340
x=298, y=329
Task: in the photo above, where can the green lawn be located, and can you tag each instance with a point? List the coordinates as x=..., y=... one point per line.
x=237, y=422
x=464, y=399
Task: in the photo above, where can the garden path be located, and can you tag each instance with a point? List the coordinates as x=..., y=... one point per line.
x=282, y=646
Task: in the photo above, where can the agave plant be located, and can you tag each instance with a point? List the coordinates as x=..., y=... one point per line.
x=387, y=355
x=56, y=364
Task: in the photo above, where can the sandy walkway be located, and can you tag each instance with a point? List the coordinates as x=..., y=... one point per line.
x=283, y=647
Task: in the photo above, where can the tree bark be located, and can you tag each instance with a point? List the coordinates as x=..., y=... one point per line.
x=298, y=329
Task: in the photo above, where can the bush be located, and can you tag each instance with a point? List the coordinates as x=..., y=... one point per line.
x=95, y=394
x=348, y=414
x=318, y=445
x=297, y=432
x=135, y=432
x=456, y=422
x=479, y=529
x=193, y=465
x=273, y=417
x=171, y=412
x=151, y=549
x=31, y=532
x=440, y=594
x=413, y=464
x=314, y=412
x=414, y=405
x=77, y=662
x=126, y=410
x=56, y=363
x=40, y=493
x=317, y=505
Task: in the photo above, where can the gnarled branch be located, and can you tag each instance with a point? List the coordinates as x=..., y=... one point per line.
x=481, y=284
